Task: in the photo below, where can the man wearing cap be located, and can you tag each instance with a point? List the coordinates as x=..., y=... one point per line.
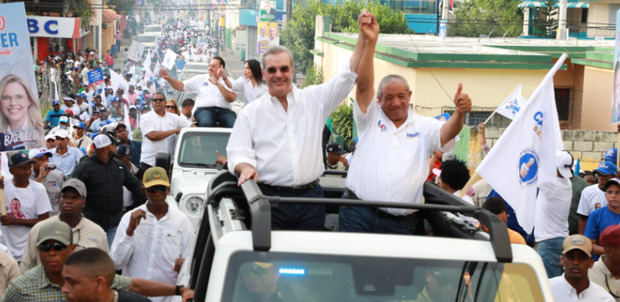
x=574, y=284
x=603, y=217
x=52, y=116
x=98, y=120
x=70, y=105
x=78, y=139
x=153, y=226
x=105, y=177
x=44, y=282
x=551, y=216
x=27, y=203
x=46, y=174
x=81, y=103
x=85, y=232
x=606, y=271
x=593, y=197
x=63, y=123
x=65, y=157
x=336, y=157
x=157, y=127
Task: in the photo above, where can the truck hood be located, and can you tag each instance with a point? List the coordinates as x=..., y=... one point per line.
x=191, y=181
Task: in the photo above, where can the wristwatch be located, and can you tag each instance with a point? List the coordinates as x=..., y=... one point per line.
x=177, y=290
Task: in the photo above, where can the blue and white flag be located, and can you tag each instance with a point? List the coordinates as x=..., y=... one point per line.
x=524, y=156
x=512, y=104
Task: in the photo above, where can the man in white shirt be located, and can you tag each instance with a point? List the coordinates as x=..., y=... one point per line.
x=552, y=209
x=606, y=271
x=27, y=203
x=157, y=126
x=392, y=157
x=593, y=197
x=574, y=284
x=277, y=138
x=212, y=106
x=153, y=226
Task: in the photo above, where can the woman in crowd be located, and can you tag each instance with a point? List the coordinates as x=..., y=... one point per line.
x=172, y=107
x=251, y=84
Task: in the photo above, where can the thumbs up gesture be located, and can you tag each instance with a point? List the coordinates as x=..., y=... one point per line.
x=462, y=102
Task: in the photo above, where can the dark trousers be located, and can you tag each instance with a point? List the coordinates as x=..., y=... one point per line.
x=214, y=117
x=374, y=220
x=291, y=216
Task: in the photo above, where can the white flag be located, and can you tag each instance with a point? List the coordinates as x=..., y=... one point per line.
x=524, y=156
x=169, y=58
x=512, y=104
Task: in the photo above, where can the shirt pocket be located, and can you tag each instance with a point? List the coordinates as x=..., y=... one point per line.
x=172, y=241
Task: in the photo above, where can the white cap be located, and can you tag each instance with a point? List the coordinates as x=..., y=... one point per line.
x=564, y=163
x=50, y=136
x=101, y=141
x=61, y=133
x=36, y=153
x=63, y=119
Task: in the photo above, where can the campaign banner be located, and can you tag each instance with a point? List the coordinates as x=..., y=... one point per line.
x=267, y=11
x=268, y=36
x=21, y=125
x=169, y=58
x=95, y=76
x=615, y=95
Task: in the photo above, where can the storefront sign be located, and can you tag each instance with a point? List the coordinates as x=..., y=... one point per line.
x=54, y=27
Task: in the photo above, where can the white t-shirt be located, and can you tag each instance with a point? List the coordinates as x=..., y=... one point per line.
x=564, y=292
x=592, y=198
x=250, y=93
x=552, y=207
x=29, y=203
x=208, y=95
x=154, y=122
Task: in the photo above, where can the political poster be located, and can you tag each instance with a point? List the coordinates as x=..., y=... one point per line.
x=21, y=125
x=268, y=36
x=615, y=95
x=95, y=76
x=267, y=11
x=169, y=58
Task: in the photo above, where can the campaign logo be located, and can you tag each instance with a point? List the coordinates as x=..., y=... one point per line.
x=381, y=126
x=513, y=106
x=528, y=167
x=538, y=120
x=2, y=23
x=413, y=134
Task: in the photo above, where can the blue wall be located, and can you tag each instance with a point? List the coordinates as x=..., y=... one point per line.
x=247, y=17
x=422, y=23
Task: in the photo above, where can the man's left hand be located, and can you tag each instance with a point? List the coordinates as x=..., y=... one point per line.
x=187, y=294
x=462, y=102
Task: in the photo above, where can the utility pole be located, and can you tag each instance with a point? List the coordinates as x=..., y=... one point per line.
x=289, y=11
x=561, y=33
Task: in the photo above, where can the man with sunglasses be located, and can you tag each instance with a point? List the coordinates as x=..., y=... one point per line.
x=606, y=271
x=104, y=177
x=154, y=239
x=574, y=284
x=44, y=282
x=86, y=233
x=157, y=126
x=277, y=138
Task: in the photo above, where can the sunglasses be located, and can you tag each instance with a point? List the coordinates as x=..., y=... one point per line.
x=157, y=189
x=283, y=69
x=47, y=246
x=171, y=107
x=158, y=100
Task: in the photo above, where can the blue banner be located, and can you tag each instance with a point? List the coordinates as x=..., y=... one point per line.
x=95, y=76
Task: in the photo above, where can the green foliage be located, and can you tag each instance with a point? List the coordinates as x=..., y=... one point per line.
x=122, y=6
x=313, y=76
x=495, y=18
x=546, y=21
x=342, y=123
x=298, y=36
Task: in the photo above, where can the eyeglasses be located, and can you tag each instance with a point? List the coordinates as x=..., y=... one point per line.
x=158, y=100
x=47, y=246
x=157, y=189
x=283, y=69
x=171, y=107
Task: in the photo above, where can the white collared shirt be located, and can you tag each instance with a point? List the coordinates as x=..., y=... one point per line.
x=564, y=292
x=154, y=247
x=208, y=94
x=152, y=121
x=285, y=146
x=250, y=92
x=391, y=164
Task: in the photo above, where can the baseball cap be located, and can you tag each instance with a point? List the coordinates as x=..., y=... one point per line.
x=102, y=141
x=610, y=236
x=55, y=102
x=37, y=153
x=577, y=242
x=80, y=125
x=19, y=159
x=155, y=176
x=335, y=148
x=50, y=136
x=55, y=229
x=68, y=99
x=76, y=184
x=606, y=168
x=62, y=133
x=123, y=150
x=611, y=155
x=613, y=181
x=564, y=163
x=64, y=119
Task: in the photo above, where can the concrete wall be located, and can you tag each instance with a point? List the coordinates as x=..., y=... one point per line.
x=596, y=106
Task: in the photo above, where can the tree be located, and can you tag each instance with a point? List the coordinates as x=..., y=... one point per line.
x=546, y=21
x=298, y=36
x=495, y=18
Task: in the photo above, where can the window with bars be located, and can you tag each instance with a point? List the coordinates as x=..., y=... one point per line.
x=562, y=103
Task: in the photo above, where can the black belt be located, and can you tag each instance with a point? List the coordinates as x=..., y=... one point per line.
x=307, y=187
x=378, y=210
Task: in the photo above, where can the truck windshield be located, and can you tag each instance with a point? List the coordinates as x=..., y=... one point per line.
x=297, y=277
x=198, y=149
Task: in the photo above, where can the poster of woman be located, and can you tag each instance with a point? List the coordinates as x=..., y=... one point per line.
x=21, y=125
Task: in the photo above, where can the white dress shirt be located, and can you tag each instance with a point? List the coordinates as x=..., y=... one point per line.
x=564, y=292
x=208, y=94
x=154, y=247
x=250, y=92
x=391, y=164
x=552, y=207
x=285, y=146
x=152, y=121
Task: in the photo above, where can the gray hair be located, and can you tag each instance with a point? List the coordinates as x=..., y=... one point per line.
x=391, y=78
x=276, y=50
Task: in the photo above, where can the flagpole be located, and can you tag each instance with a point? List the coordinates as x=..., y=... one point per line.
x=474, y=178
x=490, y=116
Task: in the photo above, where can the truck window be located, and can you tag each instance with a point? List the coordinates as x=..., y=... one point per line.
x=198, y=149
